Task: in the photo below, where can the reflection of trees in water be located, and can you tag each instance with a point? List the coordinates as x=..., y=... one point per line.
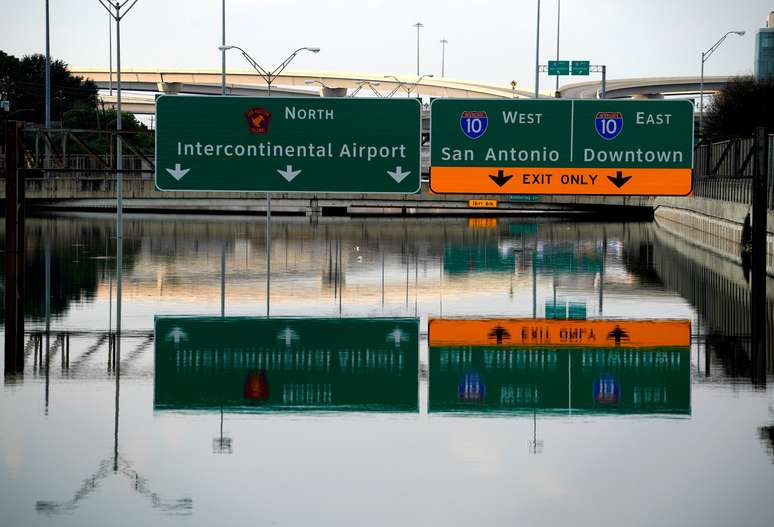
x=82, y=254
x=111, y=465
x=766, y=434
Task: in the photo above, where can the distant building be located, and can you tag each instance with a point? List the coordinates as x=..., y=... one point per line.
x=764, y=50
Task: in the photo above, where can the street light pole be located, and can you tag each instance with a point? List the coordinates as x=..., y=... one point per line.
x=110, y=52
x=705, y=55
x=418, y=25
x=443, y=57
x=115, y=13
x=558, y=27
x=266, y=75
x=269, y=77
x=537, y=53
x=223, y=51
x=48, y=73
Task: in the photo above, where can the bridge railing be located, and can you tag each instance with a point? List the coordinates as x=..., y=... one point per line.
x=724, y=170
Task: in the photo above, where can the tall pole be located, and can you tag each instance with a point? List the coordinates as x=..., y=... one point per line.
x=558, y=27
x=418, y=25
x=110, y=53
x=443, y=56
x=537, y=53
x=604, y=81
x=48, y=72
x=119, y=195
x=223, y=51
x=701, y=98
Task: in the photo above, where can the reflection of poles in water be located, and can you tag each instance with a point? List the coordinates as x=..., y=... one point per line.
x=534, y=283
x=382, y=250
x=222, y=444
x=440, y=285
x=416, y=281
x=117, y=367
x=408, y=264
x=268, y=254
x=758, y=306
x=535, y=445
x=116, y=465
x=602, y=270
x=47, y=303
x=223, y=279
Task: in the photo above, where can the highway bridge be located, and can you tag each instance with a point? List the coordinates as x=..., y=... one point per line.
x=296, y=84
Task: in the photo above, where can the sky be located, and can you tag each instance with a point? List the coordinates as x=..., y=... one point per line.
x=491, y=41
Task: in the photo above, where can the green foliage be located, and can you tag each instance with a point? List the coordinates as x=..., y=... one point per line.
x=74, y=103
x=743, y=105
x=22, y=82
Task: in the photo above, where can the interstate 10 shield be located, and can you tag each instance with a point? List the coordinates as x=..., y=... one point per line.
x=474, y=124
x=608, y=124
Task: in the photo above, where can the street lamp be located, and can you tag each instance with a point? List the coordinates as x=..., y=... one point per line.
x=704, y=56
x=414, y=86
x=396, y=79
x=443, y=57
x=315, y=81
x=370, y=84
x=418, y=25
x=269, y=76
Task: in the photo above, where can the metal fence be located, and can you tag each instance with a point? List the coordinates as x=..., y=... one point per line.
x=724, y=170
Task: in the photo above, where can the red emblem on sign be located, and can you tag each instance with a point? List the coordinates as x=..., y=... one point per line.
x=258, y=120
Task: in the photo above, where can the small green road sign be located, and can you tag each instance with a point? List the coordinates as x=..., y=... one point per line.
x=558, y=67
x=278, y=144
x=569, y=147
x=245, y=364
x=580, y=67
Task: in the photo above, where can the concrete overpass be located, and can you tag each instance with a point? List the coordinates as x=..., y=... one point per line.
x=248, y=82
x=648, y=87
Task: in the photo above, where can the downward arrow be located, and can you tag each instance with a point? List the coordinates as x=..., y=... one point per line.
x=288, y=173
x=619, y=181
x=178, y=172
x=398, y=175
x=500, y=178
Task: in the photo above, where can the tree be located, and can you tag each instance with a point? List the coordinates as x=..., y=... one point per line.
x=22, y=82
x=743, y=105
x=74, y=101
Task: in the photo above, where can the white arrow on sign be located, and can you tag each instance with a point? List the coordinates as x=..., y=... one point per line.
x=177, y=335
x=178, y=172
x=288, y=173
x=399, y=175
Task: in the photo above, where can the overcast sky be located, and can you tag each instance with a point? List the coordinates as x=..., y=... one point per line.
x=488, y=40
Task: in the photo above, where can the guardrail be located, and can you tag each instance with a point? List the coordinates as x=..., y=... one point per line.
x=724, y=171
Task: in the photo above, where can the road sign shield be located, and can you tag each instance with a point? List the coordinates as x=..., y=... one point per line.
x=474, y=124
x=608, y=125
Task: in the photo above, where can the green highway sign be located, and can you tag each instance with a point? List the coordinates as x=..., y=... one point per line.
x=558, y=67
x=278, y=144
x=245, y=364
x=580, y=67
x=571, y=147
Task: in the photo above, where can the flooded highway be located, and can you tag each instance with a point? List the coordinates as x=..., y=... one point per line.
x=438, y=371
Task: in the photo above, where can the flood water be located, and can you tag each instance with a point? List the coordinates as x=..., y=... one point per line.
x=394, y=372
